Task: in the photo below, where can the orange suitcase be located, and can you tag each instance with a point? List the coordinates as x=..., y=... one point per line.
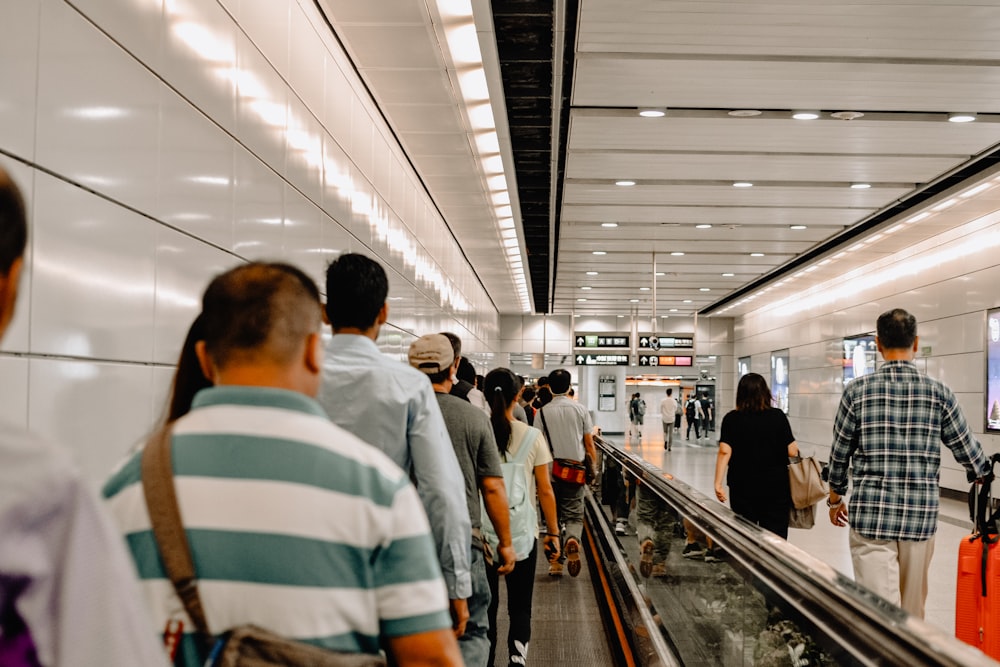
x=977, y=594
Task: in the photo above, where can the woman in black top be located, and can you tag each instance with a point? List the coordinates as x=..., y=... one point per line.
x=754, y=444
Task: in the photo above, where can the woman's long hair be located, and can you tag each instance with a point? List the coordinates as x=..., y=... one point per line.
x=188, y=378
x=752, y=394
x=501, y=388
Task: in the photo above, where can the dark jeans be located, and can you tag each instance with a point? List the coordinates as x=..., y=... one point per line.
x=520, y=588
x=697, y=426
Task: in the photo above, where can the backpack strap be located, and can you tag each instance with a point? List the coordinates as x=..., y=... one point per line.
x=526, y=442
x=165, y=516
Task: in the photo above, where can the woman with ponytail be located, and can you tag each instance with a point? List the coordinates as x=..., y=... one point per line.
x=526, y=459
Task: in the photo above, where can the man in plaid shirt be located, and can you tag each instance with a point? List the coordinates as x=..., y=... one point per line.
x=891, y=424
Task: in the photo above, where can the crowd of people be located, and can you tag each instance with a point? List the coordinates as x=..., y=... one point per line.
x=343, y=499
x=328, y=493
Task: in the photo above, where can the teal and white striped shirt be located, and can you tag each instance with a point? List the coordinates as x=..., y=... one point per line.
x=294, y=524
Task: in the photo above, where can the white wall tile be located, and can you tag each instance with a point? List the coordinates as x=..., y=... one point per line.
x=307, y=64
x=98, y=411
x=266, y=22
x=19, y=35
x=93, y=276
x=261, y=106
x=259, y=210
x=13, y=394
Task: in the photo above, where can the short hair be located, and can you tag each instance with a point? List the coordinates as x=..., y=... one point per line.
x=456, y=342
x=670, y=391
x=13, y=223
x=466, y=371
x=896, y=329
x=356, y=290
x=559, y=381
x=261, y=310
x=752, y=394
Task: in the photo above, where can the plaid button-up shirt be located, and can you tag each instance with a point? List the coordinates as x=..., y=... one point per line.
x=889, y=427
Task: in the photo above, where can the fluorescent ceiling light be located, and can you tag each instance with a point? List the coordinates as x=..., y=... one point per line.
x=488, y=143
x=581, y=300
x=463, y=43
x=586, y=287
x=742, y=184
x=686, y=301
x=599, y=252
x=481, y=117
x=633, y=300
x=703, y=226
x=860, y=186
x=592, y=273
x=976, y=190
x=609, y=224
x=961, y=117
x=677, y=254
x=704, y=289
x=805, y=115
x=625, y=183
x=653, y=112
x=728, y=275
x=947, y=203
x=798, y=227
x=644, y=289
x=917, y=218
x=674, y=310
x=756, y=254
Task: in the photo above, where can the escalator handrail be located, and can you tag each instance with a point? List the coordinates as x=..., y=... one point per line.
x=869, y=626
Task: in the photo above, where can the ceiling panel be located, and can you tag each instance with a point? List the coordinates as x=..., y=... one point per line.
x=727, y=195
x=708, y=213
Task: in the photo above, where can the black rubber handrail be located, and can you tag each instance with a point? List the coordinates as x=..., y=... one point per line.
x=866, y=627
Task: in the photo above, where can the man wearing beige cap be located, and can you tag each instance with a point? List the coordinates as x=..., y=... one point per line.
x=479, y=459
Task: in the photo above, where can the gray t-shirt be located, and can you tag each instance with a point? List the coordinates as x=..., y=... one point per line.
x=475, y=447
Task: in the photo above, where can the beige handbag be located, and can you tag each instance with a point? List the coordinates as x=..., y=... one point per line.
x=806, y=480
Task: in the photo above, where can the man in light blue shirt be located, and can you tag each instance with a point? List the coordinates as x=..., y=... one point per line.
x=392, y=406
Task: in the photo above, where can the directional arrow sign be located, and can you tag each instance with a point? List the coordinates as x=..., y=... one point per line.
x=579, y=358
x=580, y=340
x=643, y=342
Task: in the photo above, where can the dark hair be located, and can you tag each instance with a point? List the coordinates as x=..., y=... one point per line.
x=466, y=371
x=13, y=223
x=356, y=290
x=543, y=396
x=670, y=391
x=456, y=343
x=440, y=376
x=500, y=387
x=528, y=394
x=542, y=381
x=752, y=394
x=559, y=381
x=896, y=329
x=188, y=377
x=479, y=381
x=259, y=309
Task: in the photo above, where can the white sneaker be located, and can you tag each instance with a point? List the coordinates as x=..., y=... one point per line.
x=620, y=527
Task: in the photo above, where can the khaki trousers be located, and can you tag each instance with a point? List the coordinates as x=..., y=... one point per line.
x=897, y=571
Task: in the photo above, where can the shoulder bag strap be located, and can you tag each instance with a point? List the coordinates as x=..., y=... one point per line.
x=541, y=412
x=165, y=516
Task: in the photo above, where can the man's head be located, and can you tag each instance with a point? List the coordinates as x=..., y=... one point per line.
x=456, y=343
x=13, y=239
x=261, y=326
x=559, y=381
x=466, y=371
x=433, y=355
x=670, y=391
x=356, y=290
x=896, y=329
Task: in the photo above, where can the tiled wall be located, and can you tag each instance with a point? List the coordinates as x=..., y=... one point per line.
x=946, y=282
x=161, y=141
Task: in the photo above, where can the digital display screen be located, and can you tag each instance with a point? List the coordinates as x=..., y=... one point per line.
x=779, y=379
x=993, y=370
x=859, y=355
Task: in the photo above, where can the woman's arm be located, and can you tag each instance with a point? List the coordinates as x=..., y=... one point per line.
x=547, y=499
x=721, y=463
x=793, y=448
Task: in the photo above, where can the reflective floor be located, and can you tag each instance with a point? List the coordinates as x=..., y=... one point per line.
x=693, y=461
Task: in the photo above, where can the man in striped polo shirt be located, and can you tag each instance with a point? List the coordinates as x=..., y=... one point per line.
x=294, y=524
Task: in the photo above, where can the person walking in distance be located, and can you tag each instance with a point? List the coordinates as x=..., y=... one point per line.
x=668, y=407
x=889, y=429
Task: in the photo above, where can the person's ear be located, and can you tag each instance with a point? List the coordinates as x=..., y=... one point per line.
x=383, y=314
x=207, y=369
x=326, y=318
x=8, y=292
x=916, y=344
x=313, y=355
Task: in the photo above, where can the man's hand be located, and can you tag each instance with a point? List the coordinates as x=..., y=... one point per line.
x=459, y=616
x=508, y=558
x=838, y=514
x=552, y=550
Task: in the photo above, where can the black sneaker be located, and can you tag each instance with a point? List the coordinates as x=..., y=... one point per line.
x=714, y=555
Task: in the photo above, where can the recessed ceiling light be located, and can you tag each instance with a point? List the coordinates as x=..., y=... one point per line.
x=846, y=115
x=961, y=117
x=945, y=204
x=663, y=317
x=805, y=115
x=917, y=218
x=728, y=275
x=703, y=226
x=744, y=113
x=673, y=310
x=633, y=300
x=756, y=254
x=581, y=300
x=653, y=112
x=625, y=183
x=586, y=287
x=599, y=252
x=704, y=289
x=742, y=184
x=643, y=289
x=976, y=190
x=660, y=273
x=798, y=227
x=677, y=254
x=592, y=273
x=686, y=301
x=609, y=224
x=621, y=316
x=860, y=186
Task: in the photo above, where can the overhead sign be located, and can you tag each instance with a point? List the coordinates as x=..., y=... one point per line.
x=602, y=360
x=651, y=360
x=601, y=340
x=651, y=342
